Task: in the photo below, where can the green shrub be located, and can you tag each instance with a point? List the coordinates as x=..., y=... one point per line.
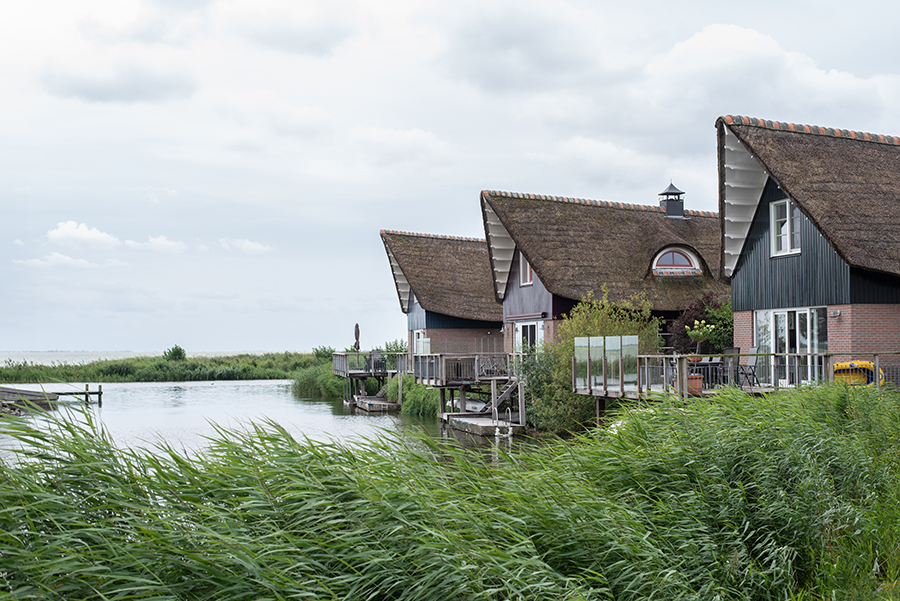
x=550, y=403
x=418, y=399
x=176, y=353
x=318, y=381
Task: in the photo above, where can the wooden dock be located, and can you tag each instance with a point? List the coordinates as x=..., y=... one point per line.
x=375, y=404
x=45, y=399
x=481, y=424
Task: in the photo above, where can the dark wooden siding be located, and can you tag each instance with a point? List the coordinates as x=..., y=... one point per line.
x=562, y=306
x=418, y=318
x=817, y=276
x=521, y=300
x=868, y=287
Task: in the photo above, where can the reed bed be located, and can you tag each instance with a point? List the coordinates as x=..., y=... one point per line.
x=788, y=496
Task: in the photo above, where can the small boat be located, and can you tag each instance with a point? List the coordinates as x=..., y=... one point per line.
x=857, y=373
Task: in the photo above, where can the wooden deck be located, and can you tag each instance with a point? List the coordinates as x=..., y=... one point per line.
x=481, y=424
x=375, y=404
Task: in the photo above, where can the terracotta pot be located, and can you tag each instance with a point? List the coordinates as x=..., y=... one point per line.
x=694, y=384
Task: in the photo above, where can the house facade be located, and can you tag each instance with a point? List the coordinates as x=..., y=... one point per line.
x=444, y=288
x=547, y=253
x=810, y=239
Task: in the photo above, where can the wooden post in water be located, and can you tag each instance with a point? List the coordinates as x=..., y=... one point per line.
x=99, y=395
x=87, y=394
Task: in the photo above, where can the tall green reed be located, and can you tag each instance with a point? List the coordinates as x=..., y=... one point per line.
x=741, y=498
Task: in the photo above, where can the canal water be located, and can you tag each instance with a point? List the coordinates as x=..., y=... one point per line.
x=185, y=414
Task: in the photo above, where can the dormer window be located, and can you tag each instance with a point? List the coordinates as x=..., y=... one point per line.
x=676, y=261
x=526, y=275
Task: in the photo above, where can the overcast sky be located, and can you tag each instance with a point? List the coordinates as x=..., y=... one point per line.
x=215, y=173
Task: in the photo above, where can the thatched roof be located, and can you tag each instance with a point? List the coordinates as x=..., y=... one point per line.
x=448, y=274
x=577, y=246
x=846, y=182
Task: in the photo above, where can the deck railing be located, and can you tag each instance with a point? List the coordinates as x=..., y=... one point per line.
x=623, y=377
x=443, y=368
x=373, y=362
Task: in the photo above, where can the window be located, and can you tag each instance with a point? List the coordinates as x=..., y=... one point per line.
x=785, y=224
x=528, y=336
x=673, y=258
x=526, y=275
x=676, y=262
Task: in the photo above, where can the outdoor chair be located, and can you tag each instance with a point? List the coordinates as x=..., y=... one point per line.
x=747, y=372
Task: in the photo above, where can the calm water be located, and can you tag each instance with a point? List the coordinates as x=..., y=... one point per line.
x=184, y=413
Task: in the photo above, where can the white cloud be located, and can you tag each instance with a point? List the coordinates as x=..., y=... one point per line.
x=55, y=259
x=391, y=147
x=127, y=83
x=158, y=244
x=245, y=246
x=71, y=232
x=18, y=242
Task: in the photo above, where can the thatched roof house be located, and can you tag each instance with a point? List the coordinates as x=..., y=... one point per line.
x=444, y=283
x=846, y=183
x=810, y=238
x=575, y=246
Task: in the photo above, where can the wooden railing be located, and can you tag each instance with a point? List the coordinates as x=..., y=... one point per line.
x=443, y=369
x=375, y=363
x=642, y=375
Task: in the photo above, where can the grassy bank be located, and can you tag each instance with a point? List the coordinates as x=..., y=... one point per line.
x=793, y=496
x=163, y=369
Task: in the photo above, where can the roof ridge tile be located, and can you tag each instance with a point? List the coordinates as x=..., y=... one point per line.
x=597, y=203
x=435, y=236
x=817, y=130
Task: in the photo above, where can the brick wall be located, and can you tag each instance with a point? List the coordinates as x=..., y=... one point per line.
x=743, y=330
x=465, y=340
x=866, y=328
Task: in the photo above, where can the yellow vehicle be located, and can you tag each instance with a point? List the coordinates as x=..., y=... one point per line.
x=857, y=373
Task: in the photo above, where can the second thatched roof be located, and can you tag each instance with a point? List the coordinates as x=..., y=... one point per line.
x=577, y=246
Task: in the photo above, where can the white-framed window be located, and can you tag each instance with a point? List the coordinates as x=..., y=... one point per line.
x=784, y=219
x=526, y=274
x=528, y=335
x=676, y=261
x=421, y=345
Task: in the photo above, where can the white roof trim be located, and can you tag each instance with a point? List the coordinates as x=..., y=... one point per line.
x=401, y=282
x=501, y=248
x=744, y=179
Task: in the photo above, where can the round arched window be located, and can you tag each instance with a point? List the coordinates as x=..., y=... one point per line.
x=676, y=261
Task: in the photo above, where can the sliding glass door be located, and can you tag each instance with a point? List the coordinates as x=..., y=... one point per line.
x=798, y=338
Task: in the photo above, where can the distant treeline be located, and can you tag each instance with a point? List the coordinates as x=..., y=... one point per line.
x=172, y=366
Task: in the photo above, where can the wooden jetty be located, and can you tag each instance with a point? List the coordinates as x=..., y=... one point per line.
x=46, y=399
x=375, y=404
x=482, y=424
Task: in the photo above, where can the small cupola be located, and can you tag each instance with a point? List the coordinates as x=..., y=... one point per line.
x=672, y=201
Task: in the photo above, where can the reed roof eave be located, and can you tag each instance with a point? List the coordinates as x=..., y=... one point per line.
x=846, y=183
x=448, y=274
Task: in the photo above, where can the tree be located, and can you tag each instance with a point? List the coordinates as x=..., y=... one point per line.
x=712, y=322
x=552, y=404
x=176, y=353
